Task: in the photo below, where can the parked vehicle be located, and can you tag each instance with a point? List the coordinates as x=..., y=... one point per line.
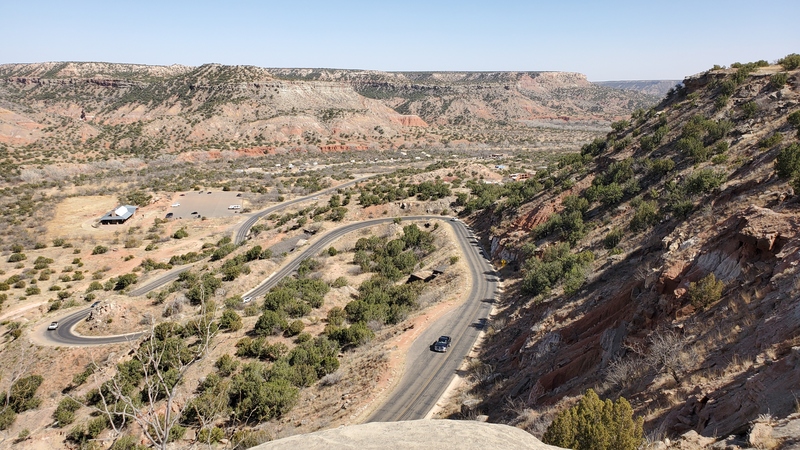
x=52, y=326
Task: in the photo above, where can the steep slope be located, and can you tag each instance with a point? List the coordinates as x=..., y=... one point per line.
x=662, y=267
x=652, y=87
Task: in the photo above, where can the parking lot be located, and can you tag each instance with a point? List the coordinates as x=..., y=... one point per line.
x=194, y=204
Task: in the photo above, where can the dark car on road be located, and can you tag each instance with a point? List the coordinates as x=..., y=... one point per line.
x=169, y=215
x=442, y=344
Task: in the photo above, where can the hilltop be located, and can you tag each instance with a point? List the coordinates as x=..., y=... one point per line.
x=659, y=264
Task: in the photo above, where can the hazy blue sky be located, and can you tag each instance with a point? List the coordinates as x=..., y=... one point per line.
x=606, y=40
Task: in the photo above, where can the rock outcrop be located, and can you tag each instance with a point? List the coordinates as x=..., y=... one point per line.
x=416, y=434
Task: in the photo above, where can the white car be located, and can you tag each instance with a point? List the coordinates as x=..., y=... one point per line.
x=247, y=299
x=52, y=326
x=175, y=205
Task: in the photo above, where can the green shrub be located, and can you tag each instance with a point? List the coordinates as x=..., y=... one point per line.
x=94, y=286
x=81, y=377
x=794, y=119
x=256, y=396
x=660, y=167
x=230, y=320
x=778, y=80
x=127, y=442
x=33, y=290
x=646, y=215
x=787, y=163
x=555, y=265
x=99, y=250
x=339, y=282
x=772, y=141
x=749, y=109
x=706, y=291
x=620, y=125
x=355, y=335
x=123, y=281
x=703, y=181
x=243, y=439
x=594, y=424
x=137, y=198
x=16, y=257
x=720, y=159
x=180, y=234
x=22, y=396
x=210, y=435
x=721, y=101
x=336, y=316
x=270, y=323
x=7, y=418
x=226, y=365
x=65, y=412
x=790, y=61
x=295, y=327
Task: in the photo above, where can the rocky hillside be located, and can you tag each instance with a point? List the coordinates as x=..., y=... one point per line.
x=661, y=266
x=653, y=87
x=74, y=111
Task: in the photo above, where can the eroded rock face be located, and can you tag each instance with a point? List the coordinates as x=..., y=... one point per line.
x=749, y=243
x=415, y=434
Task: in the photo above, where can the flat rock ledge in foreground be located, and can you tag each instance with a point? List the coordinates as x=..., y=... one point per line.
x=415, y=434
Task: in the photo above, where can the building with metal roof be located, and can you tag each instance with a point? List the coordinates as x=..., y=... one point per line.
x=118, y=216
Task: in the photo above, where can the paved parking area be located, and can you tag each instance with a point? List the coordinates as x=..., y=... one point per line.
x=206, y=204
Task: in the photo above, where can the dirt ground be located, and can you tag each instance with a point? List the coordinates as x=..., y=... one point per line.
x=369, y=373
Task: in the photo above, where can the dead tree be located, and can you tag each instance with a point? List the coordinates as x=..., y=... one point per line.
x=163, y=360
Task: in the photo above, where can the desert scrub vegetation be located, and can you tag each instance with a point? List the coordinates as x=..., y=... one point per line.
x=393, y=258
x=595, y=424
x=20, y=397
x=787, y=163
x=556, y=266
x=569, y=224
x=706, y=291
x=699, y=134
x=790, y=61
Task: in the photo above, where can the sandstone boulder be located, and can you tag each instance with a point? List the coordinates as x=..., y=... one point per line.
x=415, y=434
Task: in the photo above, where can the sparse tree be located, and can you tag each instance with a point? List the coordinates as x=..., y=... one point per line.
x=158, y=368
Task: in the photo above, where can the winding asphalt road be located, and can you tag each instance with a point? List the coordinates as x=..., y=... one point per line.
x=427, y=373
x=64, y=335
x=239, y=235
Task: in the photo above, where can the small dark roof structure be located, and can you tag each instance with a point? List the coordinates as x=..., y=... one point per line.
x=119, y=215
x=438, y=270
